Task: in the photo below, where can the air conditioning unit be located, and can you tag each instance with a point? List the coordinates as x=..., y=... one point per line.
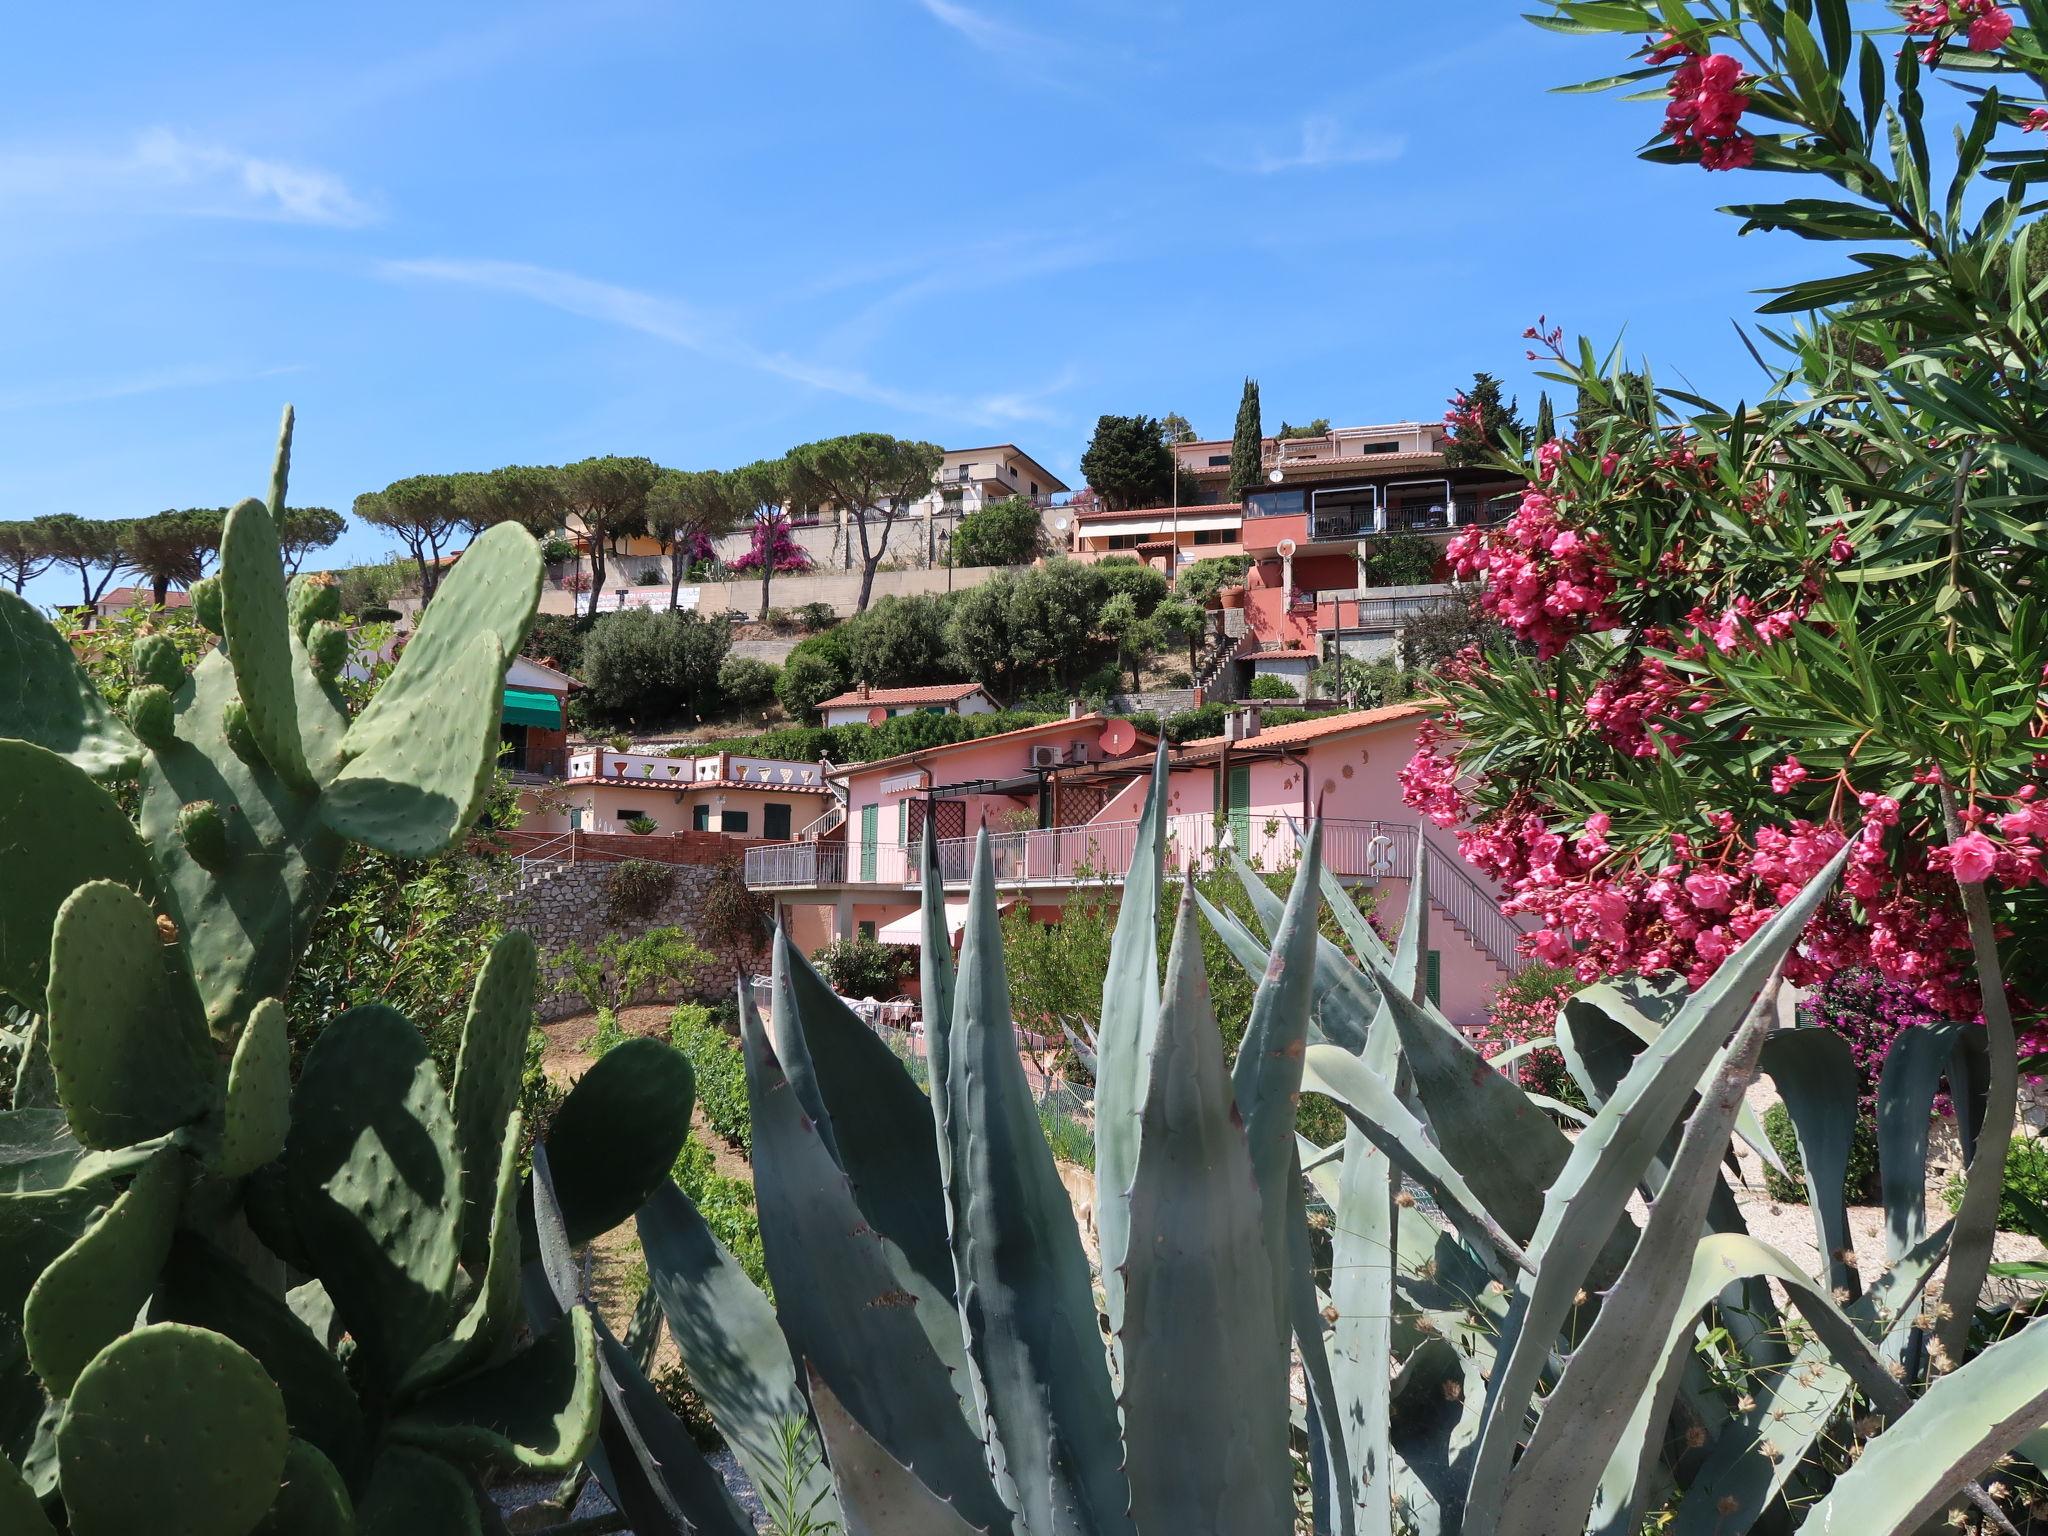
x=1048, y=757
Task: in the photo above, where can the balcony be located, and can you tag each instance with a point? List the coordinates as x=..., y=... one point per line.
x=1096, y=852
x=606, y=765
x=1060, y=858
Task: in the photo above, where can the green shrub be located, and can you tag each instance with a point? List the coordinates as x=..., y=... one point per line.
x=721, y=1072
x=609, y=1033
x=1146, y=584
x=557, y=551
x=1267, y=686
x=618, y=968
x=1008, y=532
x=646, y=666
x=642, y=825
x=1401, y=560
x=635, y=890
x=1070, y=1140
x=816, y=669
x=727, y=1206
x=1199, y=582
x=745, y=682
x=1861, y=1184
x=815, y=616
x=2023, y=1202
x=863, y=966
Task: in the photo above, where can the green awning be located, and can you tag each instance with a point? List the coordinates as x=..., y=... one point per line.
x=530, y=706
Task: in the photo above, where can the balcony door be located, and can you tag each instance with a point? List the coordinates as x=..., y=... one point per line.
x=1238, y=798
x=870, y=824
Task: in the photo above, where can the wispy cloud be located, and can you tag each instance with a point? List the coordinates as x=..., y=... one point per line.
x=707, y=335
x=1326, y=142
x=67, y=392
x=1035, y=55
x=163, y=171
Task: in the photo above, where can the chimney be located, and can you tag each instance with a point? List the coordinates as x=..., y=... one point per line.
x=863, y=690
x=1241, y=724
x=1074, y=709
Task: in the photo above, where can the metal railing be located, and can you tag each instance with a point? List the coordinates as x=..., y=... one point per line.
x=1102, y=851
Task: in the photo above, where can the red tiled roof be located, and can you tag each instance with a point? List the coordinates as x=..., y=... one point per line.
x=1315, y=730
x=936, y=693
x=128, y=597
x=1281, y=653
x=1195, y=509
x=1064, y=724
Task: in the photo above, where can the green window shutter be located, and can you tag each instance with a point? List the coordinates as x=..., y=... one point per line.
x=1433, y=981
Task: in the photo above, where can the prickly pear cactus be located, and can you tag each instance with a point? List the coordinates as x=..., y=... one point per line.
x=228, y=1304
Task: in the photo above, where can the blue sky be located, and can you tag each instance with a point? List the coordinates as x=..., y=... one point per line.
x=465, y=235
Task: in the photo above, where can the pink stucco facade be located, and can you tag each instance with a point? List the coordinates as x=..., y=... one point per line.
x=1056, y=824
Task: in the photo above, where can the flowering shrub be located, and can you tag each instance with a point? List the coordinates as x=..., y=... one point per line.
x=775, y=546
x=1869, y=1011
x=1767, y=634
x=1524, y=1009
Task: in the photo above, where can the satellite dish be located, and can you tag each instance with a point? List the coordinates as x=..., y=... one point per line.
x=877, y=715
x=1060, y=523
x=1275, y=476
x=1286, y=547
x=1118, y=737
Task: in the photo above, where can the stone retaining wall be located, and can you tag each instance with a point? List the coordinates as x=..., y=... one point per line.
x=566, y=904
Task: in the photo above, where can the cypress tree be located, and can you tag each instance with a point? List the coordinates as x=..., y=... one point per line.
x=1485, y=420
x=1245, y=443
x=1546, y=419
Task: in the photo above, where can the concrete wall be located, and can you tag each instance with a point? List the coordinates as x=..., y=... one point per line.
x=838, y=589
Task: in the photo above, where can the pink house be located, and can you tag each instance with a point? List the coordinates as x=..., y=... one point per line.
x=1061, y=802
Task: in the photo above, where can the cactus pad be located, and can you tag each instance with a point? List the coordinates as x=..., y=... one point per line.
x=258, y=631
x=203, y=1287
x=174, y=1431
x=494, y=588
x=21, y=1513
x=617, y=1135
x=312, y=600
x=242, y=927
x=488, y=1067
x=419, y=770
x=539, y=1410
x=259, y=1109
x=375, y=1189
x=127, y=1043
x=91, y=1292
x=327, y=647
x=56, y=818
x=493, y=1315
x=50, y=701
x=414, y=1494
x=312, y=1500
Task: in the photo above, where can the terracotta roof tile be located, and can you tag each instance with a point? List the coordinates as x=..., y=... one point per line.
x=935, y=693
x=1315, y=730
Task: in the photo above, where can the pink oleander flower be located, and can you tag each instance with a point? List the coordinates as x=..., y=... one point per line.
x=1971, y=858
x=1990, y=30
x=2037, y=121
x=1787, y=776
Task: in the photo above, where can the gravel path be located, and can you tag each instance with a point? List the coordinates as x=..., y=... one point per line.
x=1789, y=1227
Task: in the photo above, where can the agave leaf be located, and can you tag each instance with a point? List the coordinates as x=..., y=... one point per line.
x=1368, y=1101
x=643, y=1457
x=1367, y=947
x=1906, y=1087
x=1816, y=1077
x=1584, y=1415
x=1362, y=1337
x=869, y=1112
x=1796, y=1402
x=1642, y=1010
x=1584, y=1206
x=1436, y=1399
x=1204, y=1372
x=1026, y=1303
x=935, y=971
x=1508, y=1150
x=1969, y=1253
x=880, y=1495
x=1345, y=1001
x=726, y=1332
x=1125, y=1041
x=1412, y=943
x=842, y=1305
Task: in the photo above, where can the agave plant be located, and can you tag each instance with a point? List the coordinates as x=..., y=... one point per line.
x=1513, y=1354
x=227, y=1302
